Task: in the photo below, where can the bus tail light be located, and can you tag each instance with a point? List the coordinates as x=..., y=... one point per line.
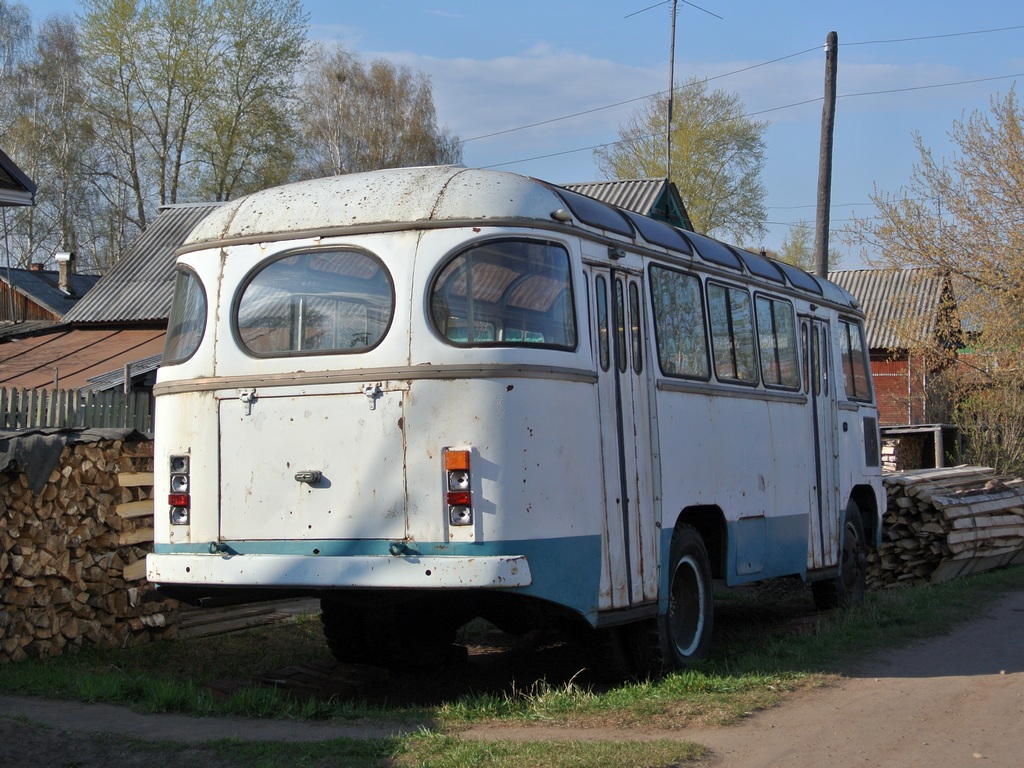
x=458, y=496
x=179, y=499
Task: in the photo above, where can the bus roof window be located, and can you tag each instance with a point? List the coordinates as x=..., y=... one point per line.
x=659, y=233
x=714, y=251
x=595, y=213
x=761, y=266
x=799, y=278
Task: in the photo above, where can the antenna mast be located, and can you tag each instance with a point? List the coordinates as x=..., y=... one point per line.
x=671, y=95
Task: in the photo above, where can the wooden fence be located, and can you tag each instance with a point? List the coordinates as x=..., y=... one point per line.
x=34, y=408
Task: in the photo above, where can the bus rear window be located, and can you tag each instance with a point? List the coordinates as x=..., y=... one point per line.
x=506, y=293
x=315, y=302
x=187, y=321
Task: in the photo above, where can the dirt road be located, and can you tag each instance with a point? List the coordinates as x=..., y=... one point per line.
x=956, y=700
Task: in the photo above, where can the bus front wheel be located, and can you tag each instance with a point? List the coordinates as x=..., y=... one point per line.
x=848, y=587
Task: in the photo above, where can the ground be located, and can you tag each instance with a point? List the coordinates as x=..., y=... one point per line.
x=954, y=700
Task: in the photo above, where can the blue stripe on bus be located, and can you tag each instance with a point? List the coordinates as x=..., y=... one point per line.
x=756, y=548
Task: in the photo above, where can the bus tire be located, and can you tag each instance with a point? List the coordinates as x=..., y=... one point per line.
x=848, y=586
x=344, y=631
x=682, y=636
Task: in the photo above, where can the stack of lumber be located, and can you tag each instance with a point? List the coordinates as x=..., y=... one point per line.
x=72, y=555
x=944, y=523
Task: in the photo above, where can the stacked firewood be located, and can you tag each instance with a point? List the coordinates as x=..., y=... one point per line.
x=943, y=523
x=72, y=555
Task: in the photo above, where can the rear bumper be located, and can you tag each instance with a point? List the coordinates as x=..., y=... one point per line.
x=366, y=571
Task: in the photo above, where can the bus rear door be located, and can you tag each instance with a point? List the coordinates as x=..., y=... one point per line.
x=629, y=571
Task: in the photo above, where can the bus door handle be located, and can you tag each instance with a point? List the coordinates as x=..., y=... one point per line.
x=310, y=476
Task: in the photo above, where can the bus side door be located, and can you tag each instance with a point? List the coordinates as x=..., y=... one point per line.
x=629, y=572
x=819, y=385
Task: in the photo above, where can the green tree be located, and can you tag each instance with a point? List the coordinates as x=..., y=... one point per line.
x=717, y=157
x=249, y=129
x=358, y=117
x=798, y=246
x=963, y=216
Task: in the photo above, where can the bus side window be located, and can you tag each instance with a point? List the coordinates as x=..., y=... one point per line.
x=776, y=336
x=505, y=293
x=732, y=333
x=855, y=364
x=679, y=328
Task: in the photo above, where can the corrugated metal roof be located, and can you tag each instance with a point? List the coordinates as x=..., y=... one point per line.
x=138, y=288
x=643, y=196
x=15, y=187
x=78, y=355
x=115, y=379
x=901, y=305
x=637, y=195
x=41, y=286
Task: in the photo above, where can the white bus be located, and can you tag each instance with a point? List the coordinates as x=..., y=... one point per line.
x=431, y=394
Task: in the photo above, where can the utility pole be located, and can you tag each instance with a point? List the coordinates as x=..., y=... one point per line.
x=828, y=119
x=671, y=95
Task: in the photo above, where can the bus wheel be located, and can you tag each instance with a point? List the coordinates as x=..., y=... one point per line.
x=847, y=588
x=687, y=624
x=344, y=631
x=682, y=636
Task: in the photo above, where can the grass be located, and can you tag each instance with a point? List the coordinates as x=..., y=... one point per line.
x=757, y=660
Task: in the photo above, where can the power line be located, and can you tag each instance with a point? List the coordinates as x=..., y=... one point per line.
x=764, y=64
x=934, y=37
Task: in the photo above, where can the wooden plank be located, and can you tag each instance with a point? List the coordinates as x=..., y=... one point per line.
x=138, y=536
x=135, y=571
x=957, y=537
x=134, y=479
x=134, y=509
x=990, y=521
x=233, y=625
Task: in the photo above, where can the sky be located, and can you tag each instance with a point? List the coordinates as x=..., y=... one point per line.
x=534, y=86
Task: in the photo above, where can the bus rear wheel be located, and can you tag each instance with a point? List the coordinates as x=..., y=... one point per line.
x=848, y=586
x=682, y=636
x=344, y=630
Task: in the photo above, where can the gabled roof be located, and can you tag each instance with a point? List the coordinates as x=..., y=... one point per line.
x=656, y=198
x=902, y=306
x=138, y=288
x=15, y=187
x=42, y=287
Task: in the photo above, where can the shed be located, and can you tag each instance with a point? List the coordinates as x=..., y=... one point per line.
x=907, y=311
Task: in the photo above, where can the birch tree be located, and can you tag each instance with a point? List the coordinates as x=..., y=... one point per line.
x=360, y=117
